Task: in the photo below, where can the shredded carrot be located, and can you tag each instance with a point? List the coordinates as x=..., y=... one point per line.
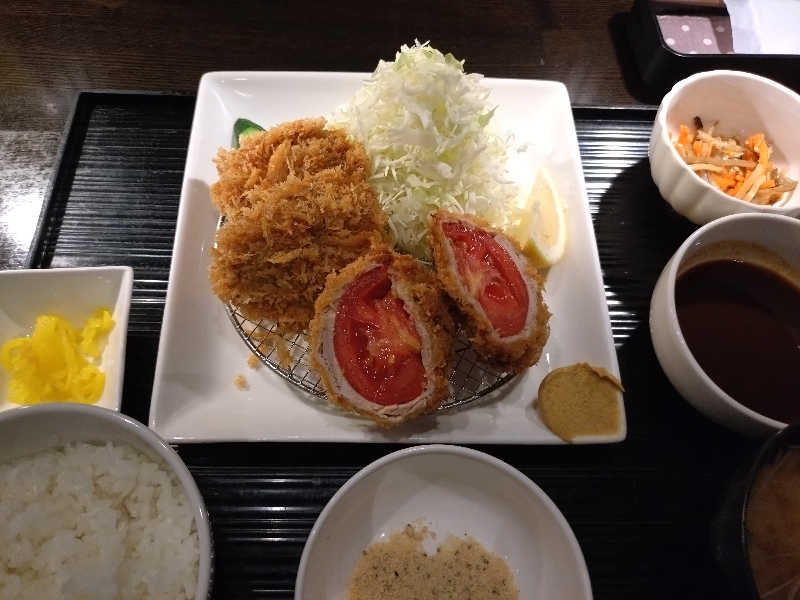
x=754, y=140
x=763, y=152
x=683, y=137
x=702, y=149
x=723, y=182
x=730, y=165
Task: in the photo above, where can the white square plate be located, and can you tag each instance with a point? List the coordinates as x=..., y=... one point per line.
x=72, y=294
x=200, y=354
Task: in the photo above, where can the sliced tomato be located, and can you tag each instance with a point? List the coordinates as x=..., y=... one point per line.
x=375, y=341
x=490, y=275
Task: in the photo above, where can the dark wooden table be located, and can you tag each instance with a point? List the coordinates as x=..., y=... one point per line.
x=643, y=523
x=52, y=48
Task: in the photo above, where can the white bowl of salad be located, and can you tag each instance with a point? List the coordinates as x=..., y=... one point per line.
x=727, y=142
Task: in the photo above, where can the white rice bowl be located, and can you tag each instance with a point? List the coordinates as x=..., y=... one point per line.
x=92, y=521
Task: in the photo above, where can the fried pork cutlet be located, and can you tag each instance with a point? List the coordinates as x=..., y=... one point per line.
x=285, y=231
x=300, y=148
x=495, y=287
x=381, y=339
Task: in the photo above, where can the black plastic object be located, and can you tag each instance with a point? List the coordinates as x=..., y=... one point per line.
x=640, y=509
x=660, y=67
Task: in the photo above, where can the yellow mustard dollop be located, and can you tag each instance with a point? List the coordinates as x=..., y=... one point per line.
x=54, y=363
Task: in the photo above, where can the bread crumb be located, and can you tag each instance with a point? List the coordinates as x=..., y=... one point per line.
x=580, y=400
x=284, y=359
x=297, y=207
x=241, y=383
x=253, y=362
x=399, y=569
x=273, y=341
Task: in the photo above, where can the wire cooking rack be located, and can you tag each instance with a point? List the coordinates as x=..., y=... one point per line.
x=470, y=378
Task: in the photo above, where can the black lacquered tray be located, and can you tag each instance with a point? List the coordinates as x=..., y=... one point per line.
x=641, y=510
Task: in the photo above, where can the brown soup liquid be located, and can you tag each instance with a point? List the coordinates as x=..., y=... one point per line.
x=742, y=324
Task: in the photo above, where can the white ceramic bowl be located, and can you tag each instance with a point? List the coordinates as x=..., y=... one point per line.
x=73, y=294
x=776, y=232
x=742, y=104
x=454, y=490
x=31, y=429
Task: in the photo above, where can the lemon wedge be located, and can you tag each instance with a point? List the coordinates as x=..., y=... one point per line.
x=541, y=227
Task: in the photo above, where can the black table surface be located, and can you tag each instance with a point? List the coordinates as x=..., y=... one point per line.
x=641, y=510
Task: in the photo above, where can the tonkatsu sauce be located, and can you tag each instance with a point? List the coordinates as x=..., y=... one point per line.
x=741, y=322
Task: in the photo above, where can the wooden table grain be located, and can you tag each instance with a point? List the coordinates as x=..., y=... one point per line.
x=52, y=49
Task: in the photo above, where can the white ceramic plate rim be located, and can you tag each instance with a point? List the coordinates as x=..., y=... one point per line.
x=183, y=409
x=400, y=455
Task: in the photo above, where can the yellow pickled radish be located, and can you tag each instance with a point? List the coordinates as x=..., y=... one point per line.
x=98, y=325
x=55, y=363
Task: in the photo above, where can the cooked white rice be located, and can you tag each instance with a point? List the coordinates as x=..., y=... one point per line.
x=94, y=522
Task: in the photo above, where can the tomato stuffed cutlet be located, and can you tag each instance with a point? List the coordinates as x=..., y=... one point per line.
x=381, y=339
x=297, y=207
x=495, y=287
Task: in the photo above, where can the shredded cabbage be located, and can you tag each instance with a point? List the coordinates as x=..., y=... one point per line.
x=425, y=125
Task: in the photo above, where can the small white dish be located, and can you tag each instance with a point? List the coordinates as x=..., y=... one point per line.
x=452, y=490
x=200, y=353
x=742, y=104
x=73, y=294
x=32, y=429
x=775, y=232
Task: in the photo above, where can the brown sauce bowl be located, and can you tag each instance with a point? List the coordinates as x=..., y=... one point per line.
x=779, y=235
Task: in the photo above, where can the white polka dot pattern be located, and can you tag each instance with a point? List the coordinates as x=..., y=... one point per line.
x=696, y=34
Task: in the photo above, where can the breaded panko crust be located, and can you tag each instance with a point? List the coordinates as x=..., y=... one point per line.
x=515, y=355
x=272, y=256
x=301, y=148
x=430, y=313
